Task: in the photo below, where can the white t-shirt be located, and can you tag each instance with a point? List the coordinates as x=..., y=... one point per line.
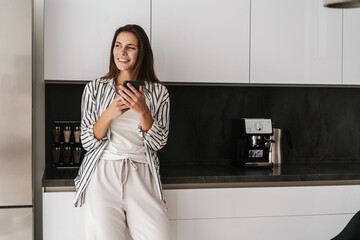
x=124, y=141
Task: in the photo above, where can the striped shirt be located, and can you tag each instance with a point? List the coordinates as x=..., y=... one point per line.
x=97, y=96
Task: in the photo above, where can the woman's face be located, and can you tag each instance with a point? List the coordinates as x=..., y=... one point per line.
x=125, y=51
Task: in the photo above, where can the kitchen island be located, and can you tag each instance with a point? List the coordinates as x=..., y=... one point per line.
x=225, y=202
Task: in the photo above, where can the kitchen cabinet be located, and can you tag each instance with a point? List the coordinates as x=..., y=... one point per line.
x=230, y=213
x=201, y=41
x=351, y=34
x=258, y=228
x=60, y=219
x=256, y=42
x=254, y=213
x=295, y=42
x=78, y=35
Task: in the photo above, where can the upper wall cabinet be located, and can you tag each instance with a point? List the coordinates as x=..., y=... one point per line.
x=351, y=73
x=78, y=35
x=295, y=42
x=202, y=40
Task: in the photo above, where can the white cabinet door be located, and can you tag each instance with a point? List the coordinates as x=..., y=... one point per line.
x=201, y=41
x=351, y=73
x=78, y=35
x=262, y=202
x=60, y=219
x=261, y=213
x=295, y=42
x=317, y=227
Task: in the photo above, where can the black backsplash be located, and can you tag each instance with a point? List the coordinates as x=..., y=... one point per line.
x=62, y=103
x=323, y=121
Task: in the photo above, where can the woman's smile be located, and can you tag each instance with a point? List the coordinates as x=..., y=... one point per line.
x=123, y=60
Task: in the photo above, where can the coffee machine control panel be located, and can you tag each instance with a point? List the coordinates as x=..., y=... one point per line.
x=258, y=126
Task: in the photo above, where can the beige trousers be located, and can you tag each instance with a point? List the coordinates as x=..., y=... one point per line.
x=122, y=194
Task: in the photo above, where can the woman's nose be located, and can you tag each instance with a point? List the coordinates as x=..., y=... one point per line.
x=123, y=51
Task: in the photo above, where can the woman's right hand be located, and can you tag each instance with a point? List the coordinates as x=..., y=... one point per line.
x=115, y=110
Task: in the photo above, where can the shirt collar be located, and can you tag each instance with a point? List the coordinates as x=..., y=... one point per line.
x=103, y=80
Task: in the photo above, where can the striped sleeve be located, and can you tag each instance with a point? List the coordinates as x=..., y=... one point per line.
x=89, y=117
x=156, y=137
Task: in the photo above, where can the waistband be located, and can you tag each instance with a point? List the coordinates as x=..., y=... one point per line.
x=121, y=159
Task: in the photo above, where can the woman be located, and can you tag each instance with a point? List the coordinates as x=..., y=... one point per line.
x=122, y=129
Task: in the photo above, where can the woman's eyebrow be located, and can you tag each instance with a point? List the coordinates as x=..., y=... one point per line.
x=127, y=44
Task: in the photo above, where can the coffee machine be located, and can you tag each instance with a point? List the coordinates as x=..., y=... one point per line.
x=251, y=142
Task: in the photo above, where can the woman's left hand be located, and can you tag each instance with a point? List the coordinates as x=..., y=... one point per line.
x=134, y=99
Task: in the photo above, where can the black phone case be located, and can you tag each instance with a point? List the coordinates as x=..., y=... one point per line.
x=135, y=83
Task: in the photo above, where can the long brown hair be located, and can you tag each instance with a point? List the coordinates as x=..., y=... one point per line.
x=144, y=64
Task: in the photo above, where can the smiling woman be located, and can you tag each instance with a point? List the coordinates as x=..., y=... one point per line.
x=122, y=130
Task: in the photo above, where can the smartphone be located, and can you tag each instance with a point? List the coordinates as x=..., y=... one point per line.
x=135, y=84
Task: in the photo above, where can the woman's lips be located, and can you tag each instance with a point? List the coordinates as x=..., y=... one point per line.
x=123, y=60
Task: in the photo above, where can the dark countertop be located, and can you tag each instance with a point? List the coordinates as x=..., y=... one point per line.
x=182, y=176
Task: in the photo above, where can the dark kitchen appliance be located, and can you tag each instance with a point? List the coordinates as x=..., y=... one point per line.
x=251, y=142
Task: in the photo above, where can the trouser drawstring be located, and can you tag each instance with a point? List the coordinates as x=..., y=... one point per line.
x=124, y=176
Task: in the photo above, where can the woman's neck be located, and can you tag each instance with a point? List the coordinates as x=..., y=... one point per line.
x=122, y=77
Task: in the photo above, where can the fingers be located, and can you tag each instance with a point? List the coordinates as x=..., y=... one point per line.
x=121, y=103
x=133, y=89
x=124, y=96
x=124, y=99
x=122, y=108
x=129, y=98
x=134, y=100
x=119, y=100
x=125, y=110
x=128, y=92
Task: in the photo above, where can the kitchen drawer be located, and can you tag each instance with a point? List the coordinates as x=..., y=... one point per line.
x=262, y=202
x=323, y=227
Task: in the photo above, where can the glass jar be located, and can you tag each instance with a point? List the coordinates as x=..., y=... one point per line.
x=77, y=155
x=56, y=154
x=67, y=133
x=56, y=131
x=77, y=134
x=67, y=154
